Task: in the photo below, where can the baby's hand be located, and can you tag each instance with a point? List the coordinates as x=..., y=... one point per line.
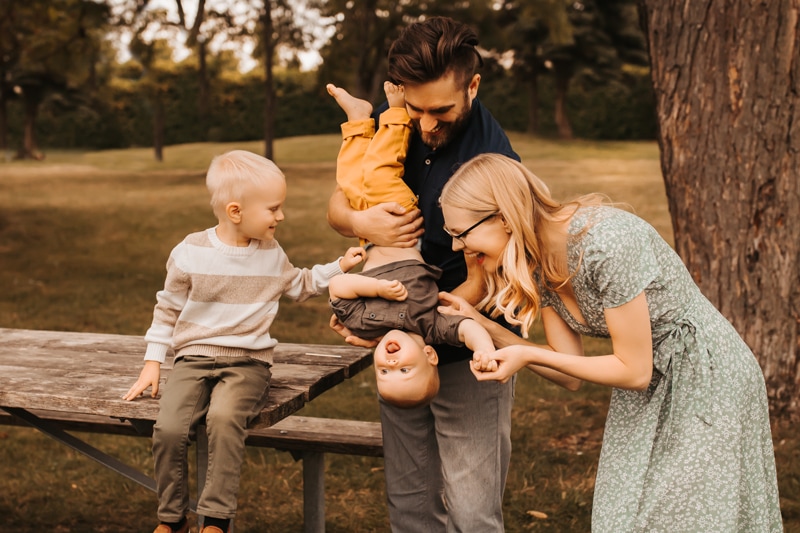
x=351, y=258
x=483, y=362
x=392, y=290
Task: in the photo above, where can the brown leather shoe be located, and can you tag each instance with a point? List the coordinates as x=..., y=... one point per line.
x=211, y=529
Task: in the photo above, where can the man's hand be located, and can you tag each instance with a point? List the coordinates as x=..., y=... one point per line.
x=148, y=377
x=349, y=338
x=388, y=224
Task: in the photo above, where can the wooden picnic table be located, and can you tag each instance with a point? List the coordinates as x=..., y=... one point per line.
x=90, y=372
x=49, y=377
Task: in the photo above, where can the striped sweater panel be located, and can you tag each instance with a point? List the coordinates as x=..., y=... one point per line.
x=221, y=300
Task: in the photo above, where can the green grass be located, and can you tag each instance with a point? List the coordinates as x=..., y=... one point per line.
x=84, y=237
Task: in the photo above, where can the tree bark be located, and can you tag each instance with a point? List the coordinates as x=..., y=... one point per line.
x=563, y=76
x=204, y=88
x=30, y=148
x=533, y=103
x=269, y=92
x=727, y=83
x=158, y=128
x=3, y=125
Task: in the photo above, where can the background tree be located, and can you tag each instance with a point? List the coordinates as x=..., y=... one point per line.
x=276, y=29
x=727, y=83
x=47, y=50
x=153, y=79
x=355, y=56
x=521, y=30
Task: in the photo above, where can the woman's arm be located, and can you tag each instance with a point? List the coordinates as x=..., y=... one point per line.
x=630, y=366
x=503, y=338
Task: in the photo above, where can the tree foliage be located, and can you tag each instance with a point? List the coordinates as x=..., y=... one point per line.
x=537, y=34
x=47, y=50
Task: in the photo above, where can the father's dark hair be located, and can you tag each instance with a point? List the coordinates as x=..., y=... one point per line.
x=425, y=51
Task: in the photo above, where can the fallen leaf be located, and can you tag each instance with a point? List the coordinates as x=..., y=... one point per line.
x=538, y=514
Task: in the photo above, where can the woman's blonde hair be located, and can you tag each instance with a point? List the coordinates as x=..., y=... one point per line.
x=231, y=174
x=493, y=183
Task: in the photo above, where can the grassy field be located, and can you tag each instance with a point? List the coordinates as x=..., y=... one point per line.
x=83, y=242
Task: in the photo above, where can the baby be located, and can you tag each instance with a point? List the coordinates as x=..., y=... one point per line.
x=396, y=295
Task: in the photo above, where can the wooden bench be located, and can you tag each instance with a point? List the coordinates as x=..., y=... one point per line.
x=306, y=438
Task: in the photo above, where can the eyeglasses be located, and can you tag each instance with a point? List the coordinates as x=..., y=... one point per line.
x=461, y=236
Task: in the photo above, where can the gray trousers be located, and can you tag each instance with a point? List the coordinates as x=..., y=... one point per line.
x=446, y=463
x=226, y=392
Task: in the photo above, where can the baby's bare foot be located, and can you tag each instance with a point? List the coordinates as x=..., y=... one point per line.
x=392, y=290
x=354, y=108
x=395, y=94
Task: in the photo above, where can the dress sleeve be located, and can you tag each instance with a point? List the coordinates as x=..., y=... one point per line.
x=619, y=256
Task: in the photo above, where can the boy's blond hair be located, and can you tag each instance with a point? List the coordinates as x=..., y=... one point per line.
x=232, y=173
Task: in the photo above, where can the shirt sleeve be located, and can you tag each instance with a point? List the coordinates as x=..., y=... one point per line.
x=303, y=283
x=170, y=301
x=620, y=258
x=445, y=330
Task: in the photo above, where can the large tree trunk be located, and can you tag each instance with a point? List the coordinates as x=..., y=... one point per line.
x=727, y=83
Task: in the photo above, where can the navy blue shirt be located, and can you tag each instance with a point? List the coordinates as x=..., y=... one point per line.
x=426, y=172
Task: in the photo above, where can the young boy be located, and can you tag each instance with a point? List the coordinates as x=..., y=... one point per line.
x=219, y=299
x=395, y=296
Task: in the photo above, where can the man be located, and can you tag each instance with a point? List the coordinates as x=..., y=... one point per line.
x=445, y=462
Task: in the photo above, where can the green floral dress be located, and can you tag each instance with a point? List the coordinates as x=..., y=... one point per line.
x=693, y=452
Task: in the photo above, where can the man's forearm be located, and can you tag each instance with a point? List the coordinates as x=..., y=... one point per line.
x=339, y=214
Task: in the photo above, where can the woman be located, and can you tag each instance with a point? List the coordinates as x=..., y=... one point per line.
x=687, y=445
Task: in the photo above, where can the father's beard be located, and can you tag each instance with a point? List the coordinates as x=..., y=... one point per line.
x=445, y=131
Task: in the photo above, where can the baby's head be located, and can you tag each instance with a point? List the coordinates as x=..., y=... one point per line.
x=406, y=369
x=235, y=175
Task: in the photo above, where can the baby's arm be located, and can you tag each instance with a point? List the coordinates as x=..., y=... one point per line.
x=479, y=341
x=352, y=286
x=148, y=377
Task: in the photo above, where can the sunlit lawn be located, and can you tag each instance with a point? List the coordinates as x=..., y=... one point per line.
x=84, y=237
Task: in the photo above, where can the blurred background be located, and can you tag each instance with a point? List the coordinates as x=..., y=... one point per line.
x=101, y=74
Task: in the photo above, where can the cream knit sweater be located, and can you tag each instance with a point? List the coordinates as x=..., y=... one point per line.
x=220, y=300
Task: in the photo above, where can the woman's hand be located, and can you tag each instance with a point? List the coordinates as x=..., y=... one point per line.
x=458, y=306
x=349, y=338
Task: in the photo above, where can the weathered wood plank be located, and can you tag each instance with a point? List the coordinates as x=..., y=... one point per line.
x=90, y=372
x=294, y=433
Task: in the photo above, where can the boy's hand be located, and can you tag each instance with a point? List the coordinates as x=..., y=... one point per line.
x=148, y=377
x=351, y=258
